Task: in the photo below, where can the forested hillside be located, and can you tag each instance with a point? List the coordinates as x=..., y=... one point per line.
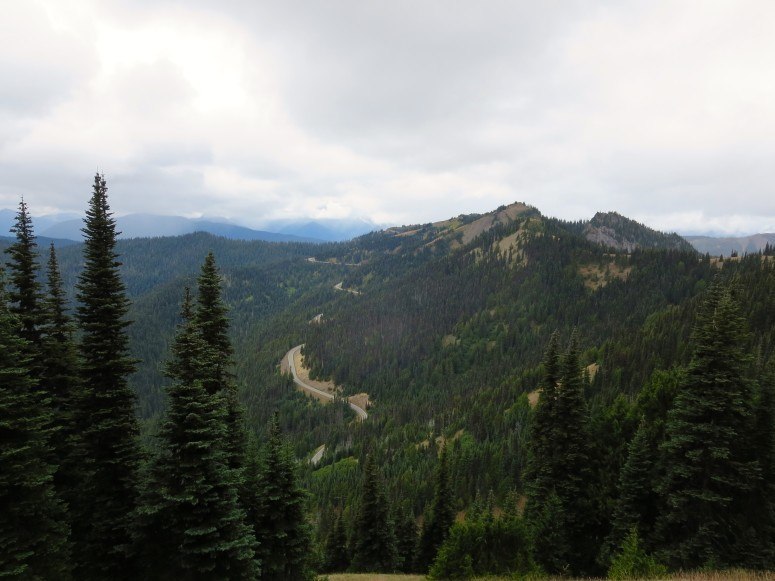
x=531, y=381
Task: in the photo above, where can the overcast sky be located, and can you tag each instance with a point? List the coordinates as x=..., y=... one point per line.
x=400, y=112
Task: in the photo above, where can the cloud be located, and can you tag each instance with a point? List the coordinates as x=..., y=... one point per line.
x=399, y=112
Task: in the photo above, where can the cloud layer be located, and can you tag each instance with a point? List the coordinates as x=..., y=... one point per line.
x=399, y=112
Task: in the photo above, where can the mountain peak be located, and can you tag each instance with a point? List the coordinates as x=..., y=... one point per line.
x=616, y=231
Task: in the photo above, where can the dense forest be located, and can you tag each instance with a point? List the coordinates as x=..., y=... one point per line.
x=546, y=398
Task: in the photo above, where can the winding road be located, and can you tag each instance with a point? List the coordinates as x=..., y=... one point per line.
x=362, y=415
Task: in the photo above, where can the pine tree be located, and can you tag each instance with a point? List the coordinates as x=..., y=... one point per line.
x=60, y=381
x=375, y=541
x=112, y=453
x=191, y=525
x=211, y=317
x=441, y=517
x=33, y=530
x=25, y=290
x=710, y=467
x=637, y=497
x=560, y=468
x=406, y=538
x=337, y=558
x=279, y=523
x=539, y=473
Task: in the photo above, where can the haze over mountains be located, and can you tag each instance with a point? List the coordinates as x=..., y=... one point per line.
x=67, y=226
x=604, y=227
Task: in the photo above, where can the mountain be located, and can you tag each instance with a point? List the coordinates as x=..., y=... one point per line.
x=328, y=229
x=151, y=225
x=615, y=231
x=726, y=246
x=41, y=223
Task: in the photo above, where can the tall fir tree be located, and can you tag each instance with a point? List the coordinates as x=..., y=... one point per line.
x=539, y=473
x=560, y=483
x=375, y=542
x=440, y=518
x=336, y=555
x=277, y=513
x=710, y=465
x=211, y=316
x=107, y=409
x=25, y=293
x=190, y=524
x=406, y=539
x=33, y=530
x=59, y=377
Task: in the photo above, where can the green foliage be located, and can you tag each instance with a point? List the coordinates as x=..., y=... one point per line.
x=484, y=546
x=190, y=523
x=337, y=557
x=33, y=529
x=108, y=492
x=711, y=466
x=374, y=541
x=633, y=562
x=277, y=513
x=440, y=518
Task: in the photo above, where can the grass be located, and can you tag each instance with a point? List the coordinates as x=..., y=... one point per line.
x=733, y=575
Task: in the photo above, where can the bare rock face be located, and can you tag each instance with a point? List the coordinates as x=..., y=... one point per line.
x=615, y=231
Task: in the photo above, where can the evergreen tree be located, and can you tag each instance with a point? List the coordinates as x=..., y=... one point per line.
x=60, y=381
x=284, y=537
x=710, y=467
x=375, y=542
x=337, y=558
x=561, y=469
x=25, y=290
x=191, y=525
x=33, y=530
x=441, y=517
x=108, y=494
x=211, y=317
x=539, y=473
x=637, y=498
x=406, y=538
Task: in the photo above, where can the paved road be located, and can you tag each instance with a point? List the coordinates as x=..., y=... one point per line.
x=318, y=455
x=362, y=415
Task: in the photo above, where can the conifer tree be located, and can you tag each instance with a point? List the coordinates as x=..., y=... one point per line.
x=337, y=558
x=539, y=473
x=406, y=538
x=441, y=517
x=211, y=316
x=24, y=293
x=33, y=531
x=107, y=408
x=60, y=381
x=191, y=525
x=710, y=466
x=375, y=542
x=283, y=535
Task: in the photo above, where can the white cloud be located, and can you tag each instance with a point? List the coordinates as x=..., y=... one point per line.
x=400, y=112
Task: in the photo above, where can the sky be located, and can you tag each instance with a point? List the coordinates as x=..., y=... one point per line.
x=398, y=112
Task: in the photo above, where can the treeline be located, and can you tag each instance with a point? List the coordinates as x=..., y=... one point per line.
x=80, y=497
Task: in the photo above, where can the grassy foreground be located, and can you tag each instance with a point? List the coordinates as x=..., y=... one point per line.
x=735, y=575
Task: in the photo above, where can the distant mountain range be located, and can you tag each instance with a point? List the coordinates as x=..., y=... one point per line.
x=67, y=226
x=726, y=246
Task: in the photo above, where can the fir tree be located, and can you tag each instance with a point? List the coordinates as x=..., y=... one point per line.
x=211, y=316
x=284, y=537
x=33, y=530
x=375, y=541
x=60, y=381
x=710, y=468
x=406, y=538
x=191, y=525
x=337, y=558
x=109, y=491
x=25, y=290
x=441, y=517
